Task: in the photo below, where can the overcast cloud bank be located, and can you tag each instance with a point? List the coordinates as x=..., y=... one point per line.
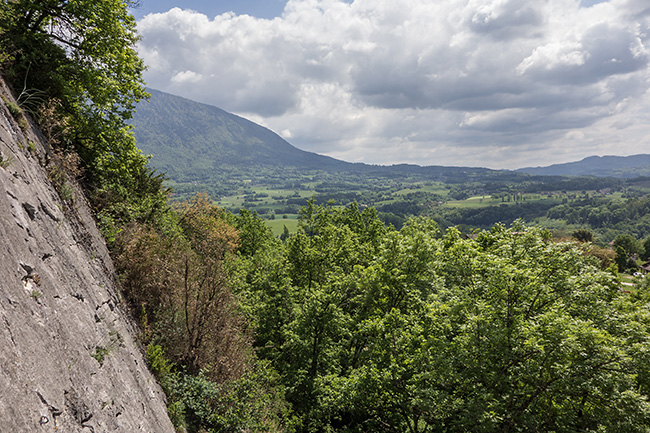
x=496, y=83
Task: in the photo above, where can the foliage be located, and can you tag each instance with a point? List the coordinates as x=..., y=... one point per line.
x=628, y=243
x=16, y=113
x=346, y=325
x=606, y=256
x=99, y=354
x=202, y=148
x=179, y=284
x=5, y=161
x=83, y=52
x=79, y=59
x=516, y=336
x=627, y=248
x=583, y=235
x=63, y=168
x=81, y=77
x=253, y=402
x=379, y=330
x=646, y=249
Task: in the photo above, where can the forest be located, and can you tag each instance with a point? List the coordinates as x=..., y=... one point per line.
x=352, y=326
x=348, y=323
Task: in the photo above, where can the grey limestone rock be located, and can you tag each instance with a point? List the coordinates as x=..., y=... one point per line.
x=62, y=369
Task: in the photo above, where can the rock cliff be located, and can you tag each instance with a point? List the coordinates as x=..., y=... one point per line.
x=68, y=358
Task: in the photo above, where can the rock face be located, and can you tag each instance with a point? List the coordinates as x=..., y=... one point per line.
x=68, y=359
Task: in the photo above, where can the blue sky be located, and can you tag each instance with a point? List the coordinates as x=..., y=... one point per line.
x=493, y=83
x=258, y=8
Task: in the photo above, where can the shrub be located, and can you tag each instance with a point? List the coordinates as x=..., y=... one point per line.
x=16, y=113
x=5, y=161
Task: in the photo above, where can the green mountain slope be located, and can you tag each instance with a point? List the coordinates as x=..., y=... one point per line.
x=600, y=166
x=185, y=136
x=204, y=148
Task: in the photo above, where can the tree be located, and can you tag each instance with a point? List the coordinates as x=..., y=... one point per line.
x=626, y=247
x=81, y=54
x=628, y=243
x=646, y=249
x=181, y=288
x=303, y=294
x=583, y=235
x=252, y=232
x=373, y=329
x=508, y=332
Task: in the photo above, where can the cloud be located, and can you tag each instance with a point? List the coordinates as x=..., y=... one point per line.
x=501, y=83
x=504, y=19
x=186, y=77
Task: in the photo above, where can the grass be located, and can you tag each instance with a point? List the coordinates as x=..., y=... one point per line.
x=99, y=354
x=275, y=197
x=66, y=192
x=101, y=351
x=476, y=202
x=627, y=278
x=5, y=162
x=16, y=112
x=277, y=225
x=288, y=197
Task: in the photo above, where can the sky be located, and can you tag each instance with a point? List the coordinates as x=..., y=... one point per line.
x=490, y=83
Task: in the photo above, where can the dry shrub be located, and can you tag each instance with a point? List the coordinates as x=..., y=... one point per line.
x=606, y=256
x=54, y=126
x=180, y=289
x=207, y=229
x=148, y=268
x=62, y=168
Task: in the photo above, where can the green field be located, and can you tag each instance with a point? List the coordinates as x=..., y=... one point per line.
x=562, y=207
x=277, y=225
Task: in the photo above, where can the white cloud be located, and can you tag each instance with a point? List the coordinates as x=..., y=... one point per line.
x=186, y=77
x=499, y=83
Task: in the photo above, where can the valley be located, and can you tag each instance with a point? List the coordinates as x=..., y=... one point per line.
x=200, y=148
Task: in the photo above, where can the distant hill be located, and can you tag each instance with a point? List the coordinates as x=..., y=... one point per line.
x=201, y=145
x=599, y=166
x=184, y=135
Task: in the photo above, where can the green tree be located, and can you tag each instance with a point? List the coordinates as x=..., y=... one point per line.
x=252, y=231
x=646, y=249
x=628, y=243
x=626, y=247
x=583, y=235
x=508, y=332
x=81, y=54
x=303, y=295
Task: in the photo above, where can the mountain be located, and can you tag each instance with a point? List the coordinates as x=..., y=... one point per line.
x=201, y=147
x=199, y=144
x=185, y=135
x=599, y=166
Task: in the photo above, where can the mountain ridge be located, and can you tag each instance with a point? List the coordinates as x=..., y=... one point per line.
x=597, y=166
x=194, y=142
x=168, y=120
